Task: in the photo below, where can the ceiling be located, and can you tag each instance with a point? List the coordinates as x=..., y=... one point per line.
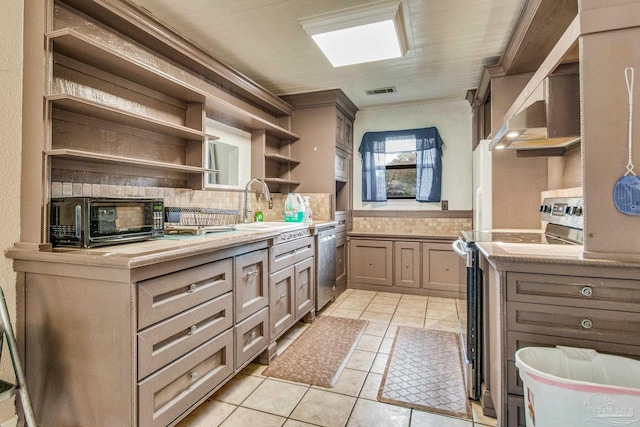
x=450, y=41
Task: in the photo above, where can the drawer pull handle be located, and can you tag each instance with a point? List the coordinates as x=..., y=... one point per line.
x=370, y=262
x=250, y=274
x=446, y=268
x=194, y=376
x=586, y=323
x=192, y=288
x=586, y=291
x=303, y=284
x=253, y=334
x=406, y=266
x=192, y=330
x=283, y=296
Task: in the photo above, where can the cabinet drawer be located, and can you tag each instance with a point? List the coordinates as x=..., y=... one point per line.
x=166, y=394
x=581, y=323
x=252, y=336
x=289, y=253
x=587, y=292
x=170, y=339
x=165, y=296
x=252, y=281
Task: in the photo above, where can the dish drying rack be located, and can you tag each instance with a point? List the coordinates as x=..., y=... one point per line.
x=199, y=221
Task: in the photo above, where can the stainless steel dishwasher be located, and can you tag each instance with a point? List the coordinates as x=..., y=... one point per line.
x=325, y=266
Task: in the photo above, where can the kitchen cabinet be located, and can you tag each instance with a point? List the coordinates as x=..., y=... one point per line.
x=252, y=279
x=443, y=270
x=151, y=337
x=291, y=282
x=342, y=252
x=406, y=264
x=543, y=304
x=324, y=121
x=371, y=262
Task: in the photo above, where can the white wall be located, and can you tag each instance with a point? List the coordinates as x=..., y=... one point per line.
x=453, y=120
x=11, y=12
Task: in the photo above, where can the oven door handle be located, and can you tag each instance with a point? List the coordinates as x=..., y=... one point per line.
x=460, y=247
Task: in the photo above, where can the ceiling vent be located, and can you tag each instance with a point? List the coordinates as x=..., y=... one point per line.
x=379, y=91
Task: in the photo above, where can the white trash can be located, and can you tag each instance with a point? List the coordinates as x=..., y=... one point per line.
x=575, y=387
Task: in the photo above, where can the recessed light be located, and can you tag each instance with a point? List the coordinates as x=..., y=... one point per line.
x=367, y=33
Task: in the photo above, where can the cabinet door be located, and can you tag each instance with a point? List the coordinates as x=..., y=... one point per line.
x=281, y=301
x=342, y=165
x=407, y=264
x=348, y=133
x=305, y=289
x=442, y=269
x=341, y=258
x=371, y=262
x=252, y=279
x=340, y=119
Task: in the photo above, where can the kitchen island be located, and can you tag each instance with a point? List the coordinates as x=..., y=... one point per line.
x=547, y=295
x=140, y=334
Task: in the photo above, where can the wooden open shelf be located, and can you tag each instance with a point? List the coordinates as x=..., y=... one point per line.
x=281, y=158
x=111, y=159
x=281, y=181
x=89, y=108
x=73, y=44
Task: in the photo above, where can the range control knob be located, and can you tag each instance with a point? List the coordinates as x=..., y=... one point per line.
x=545, y=208
x=568, y=210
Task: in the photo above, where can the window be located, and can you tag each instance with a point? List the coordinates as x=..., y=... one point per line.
x=400, y=170
x=403, y=164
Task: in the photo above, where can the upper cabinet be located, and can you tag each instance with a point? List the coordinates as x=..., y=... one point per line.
x=324, y=121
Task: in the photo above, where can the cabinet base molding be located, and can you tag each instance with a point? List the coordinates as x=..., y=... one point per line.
x=269, y=355
x=408, y=291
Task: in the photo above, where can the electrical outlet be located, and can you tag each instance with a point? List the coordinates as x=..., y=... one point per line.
x=444, y=205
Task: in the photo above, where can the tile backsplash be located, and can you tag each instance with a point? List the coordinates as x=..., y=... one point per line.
x=403, y=225
x=180, y=197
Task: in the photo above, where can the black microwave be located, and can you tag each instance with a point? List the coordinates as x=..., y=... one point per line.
x=87, y=222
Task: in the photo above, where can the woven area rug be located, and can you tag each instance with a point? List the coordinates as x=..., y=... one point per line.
x=424, y=371
x=320, y=354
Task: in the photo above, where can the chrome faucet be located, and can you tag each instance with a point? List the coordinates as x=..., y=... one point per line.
x=246, y=213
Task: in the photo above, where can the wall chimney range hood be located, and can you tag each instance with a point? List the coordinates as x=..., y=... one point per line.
x=548, y=126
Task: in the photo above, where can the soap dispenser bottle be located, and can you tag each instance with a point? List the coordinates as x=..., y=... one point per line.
x=308, y=214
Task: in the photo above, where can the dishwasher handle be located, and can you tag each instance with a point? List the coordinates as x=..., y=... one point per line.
x=327, y=238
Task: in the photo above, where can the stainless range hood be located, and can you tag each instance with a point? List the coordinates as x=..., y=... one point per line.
x=550, y=125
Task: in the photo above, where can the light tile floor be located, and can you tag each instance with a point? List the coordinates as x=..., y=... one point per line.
x=251, y=399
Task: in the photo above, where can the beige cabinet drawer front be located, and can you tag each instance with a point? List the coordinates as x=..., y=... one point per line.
x=170, y=339
x=168, y=393
x=582, y=323
x=588, y=292
x=252, y=336
x=289, y=253
x=165, y=296
x=252, y=283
